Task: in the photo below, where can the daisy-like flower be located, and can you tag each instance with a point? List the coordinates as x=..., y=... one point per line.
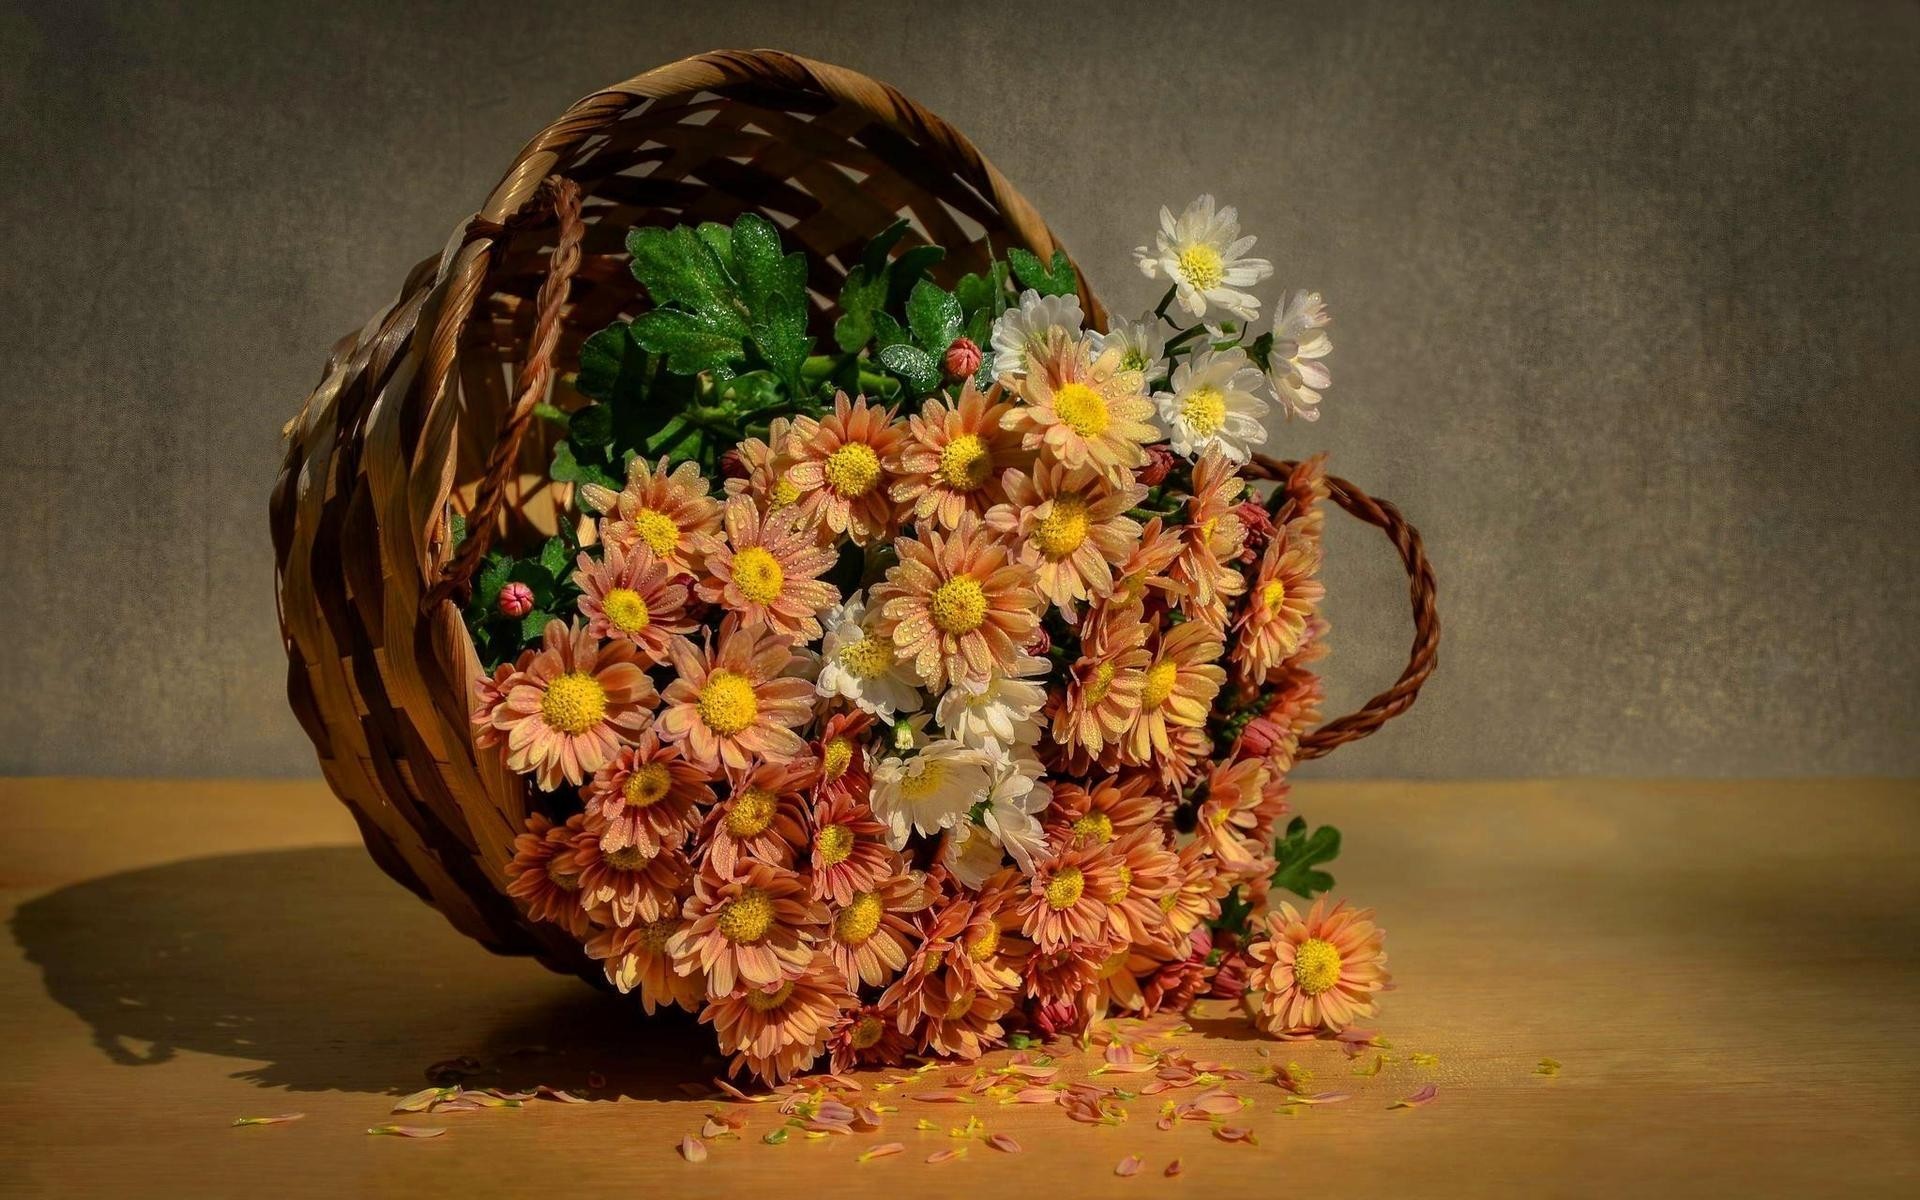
x=971, y=854
x=867, y=1037
x=839, y=468
x=1295, y=367
x=647, y=798
x=861, y=665
x=768, y=572
x=736, y=703
x=1304, y=492
x=968, y=1025
x=1023, y=331
x=841, y=747
x=543, y=875
x=489, y=693
x=637, y=957
x=766, y=462
x=956, y=604
x=776, y=1031
x=1146, y=564
x=1063, y=985
x=1184, y=677
x=1067, y=901
x=621, y=887
x=1213, y=405
x=1211, y=540
x=1142, y=344
x=663, y=511
x=999, y=712
x=763, y=817
x=1084, y=411
x=1105, y=685
x=1148, y=872
x=1014, y=802
x=870, y=936
x=1071, y=527
x=573, y=703
x=1203, y=885
x=631, y=596
x=1230, y=814
x=1319, y=973
x=1100, y=810
x=756, y=928
x=951, y=457
x=848, y=850
x=1203, y=255
x=1285, y=595
x=928, y=791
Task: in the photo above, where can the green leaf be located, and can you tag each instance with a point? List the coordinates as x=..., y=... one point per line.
x=874, y=260
x=592, y=427
x=914, y=366
x=1057, y=279
x=553, y=557
x=934, y=315
x=533, y=625
x=780, y=335
x=1299, y=852
x=908, y=270
x=568, y=469
x=719, y=239
x=888, y=332
x=678, y=267
x=456, y=528
x=691, y=342
x=860, y=298
x=612, y=365
x=493, y=577
x=757, y=262
x=977, y=292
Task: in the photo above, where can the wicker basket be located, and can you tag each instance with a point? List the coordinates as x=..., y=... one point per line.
x=430, y=406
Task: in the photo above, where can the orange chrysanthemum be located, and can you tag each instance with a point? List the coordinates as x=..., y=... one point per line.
x=637, y=957
x=1284, y=597
x=764, y=817
x=776, y=1031
x=1071, y=528
x=648, y=797
x=1067, y=902
x=573, y=703
x=848, y=849
x=840, y=470
x=1099, y=810
x=543, y=875
x=1211, y=540
x=956, y=605
x=1316, y=974
x=872, y=934
x=631, y=596
x=1105, y=685
x=867, y=1037
x=766, y=463
x=768, y=572
x=625, y=886
x=756, y=928
x=735, y=703
x=1181, y=682
x=952, y=458
x=663, y=511
x=1084, y=411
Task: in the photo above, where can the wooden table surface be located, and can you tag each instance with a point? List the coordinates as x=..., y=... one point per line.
x=1728, y=972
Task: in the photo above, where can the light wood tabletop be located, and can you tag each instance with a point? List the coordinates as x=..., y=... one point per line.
x=1728, y=974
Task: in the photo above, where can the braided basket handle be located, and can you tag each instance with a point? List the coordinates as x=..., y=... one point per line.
x=1424, y=654
x=558, y=199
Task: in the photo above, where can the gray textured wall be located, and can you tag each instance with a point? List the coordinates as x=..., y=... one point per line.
x=1625, y=302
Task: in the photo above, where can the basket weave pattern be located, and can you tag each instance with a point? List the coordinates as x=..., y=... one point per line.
x=430, y=406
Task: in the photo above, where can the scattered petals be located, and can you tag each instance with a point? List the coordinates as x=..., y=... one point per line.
x=883, y=1150
x=1423, y=1096
x=1130, y=1165
x=281, y=1119
x=407, y=1131
x=1173, y=1168
x=693, y=1149
x=1003, y=1143
x=940, y=1156
x=1548, y=1066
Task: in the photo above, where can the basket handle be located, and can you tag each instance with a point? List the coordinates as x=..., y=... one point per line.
x=1424, y=654
x=558, y=199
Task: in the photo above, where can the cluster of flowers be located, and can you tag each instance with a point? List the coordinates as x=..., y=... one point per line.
x=1009, y=782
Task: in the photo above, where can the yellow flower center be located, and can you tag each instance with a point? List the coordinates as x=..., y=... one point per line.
x=1101, y=683
x=980, y=946
x=832, y=845
x=1168, y=901
x=747, y=918
x=1064, y=889
x=868, y=658
x=858, y=921
x=1061, y=531
x=757, y=573
x=959, y=605
x=836, y=757
x=1200, y=266
x=626, y=610
x=654, y=935
x=628, y=858
x=853, y=470
x=761, y=1001
x=783, y=493
x=965, y=463
x=751, y=812
x=657, y=530
x=561, y=872
x=727, y=704
x=866, y=1031
x=1083, y=409
x=1316, y=966
x=647, y=785
x=1160, y=680
x=1273, y=595
x=1126, y=883
x=1096, y=825
x=1134, y=359
x=1204, y=410
x=574, y=703
x=933, y=961
x=922, y=778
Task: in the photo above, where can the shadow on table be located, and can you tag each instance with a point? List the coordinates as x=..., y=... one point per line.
x=312, y=963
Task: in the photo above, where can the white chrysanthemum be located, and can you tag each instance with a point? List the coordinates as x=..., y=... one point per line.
x=1025, y=327
x=1000, y=711
x=930, y=791
x=1213, y=403
x=1202, y=253
x=1300, y=342
x=1009, y=823
x=864, y=668
x=971, y=854
x=1141, y=343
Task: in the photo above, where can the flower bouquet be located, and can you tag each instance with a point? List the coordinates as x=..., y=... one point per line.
x=939, y=684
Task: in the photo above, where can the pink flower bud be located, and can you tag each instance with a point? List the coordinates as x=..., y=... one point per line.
x=1258, y=522
x=516, y=600
x=1158, y=466
x=1230, y=981
x=1041, y=643
x=962, y=358
x=733, y=465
